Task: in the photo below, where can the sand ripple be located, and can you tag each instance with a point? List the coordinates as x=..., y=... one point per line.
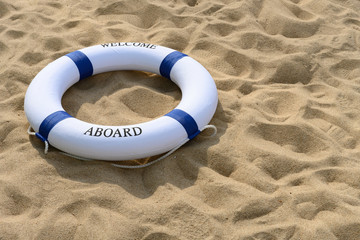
x=285, y=164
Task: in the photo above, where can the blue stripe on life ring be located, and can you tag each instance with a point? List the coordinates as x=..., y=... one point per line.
x=49, y=122
x=83, y=63
x=186, y=120
x=169, y=61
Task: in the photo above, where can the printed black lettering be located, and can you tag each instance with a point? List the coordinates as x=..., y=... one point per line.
x=90, y=130
x=129, y=44
x=117, y=132
x=127, y=131
x=146, y=45
x=137, y=131
x=98, y=132
x=108, y=132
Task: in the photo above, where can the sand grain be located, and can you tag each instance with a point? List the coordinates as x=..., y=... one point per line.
x=284, y=165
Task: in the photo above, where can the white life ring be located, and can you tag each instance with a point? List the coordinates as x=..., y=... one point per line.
x=56, y=127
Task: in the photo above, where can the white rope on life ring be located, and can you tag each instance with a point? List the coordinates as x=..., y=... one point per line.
x=53, y=125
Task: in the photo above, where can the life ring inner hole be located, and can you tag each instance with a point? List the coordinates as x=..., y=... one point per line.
x=126, y=97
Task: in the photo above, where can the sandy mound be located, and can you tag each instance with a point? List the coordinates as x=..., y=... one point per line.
x=284, y=165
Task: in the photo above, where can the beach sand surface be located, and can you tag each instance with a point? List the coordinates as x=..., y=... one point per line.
x=285, y=163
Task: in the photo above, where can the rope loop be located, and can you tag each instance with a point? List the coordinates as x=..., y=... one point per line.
x=127, y=166
x=213, y=127
x=46, y=148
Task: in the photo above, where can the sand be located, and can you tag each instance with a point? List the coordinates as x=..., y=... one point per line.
x=285, y=163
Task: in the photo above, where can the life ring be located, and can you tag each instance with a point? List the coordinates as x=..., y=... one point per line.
x=55, y=126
